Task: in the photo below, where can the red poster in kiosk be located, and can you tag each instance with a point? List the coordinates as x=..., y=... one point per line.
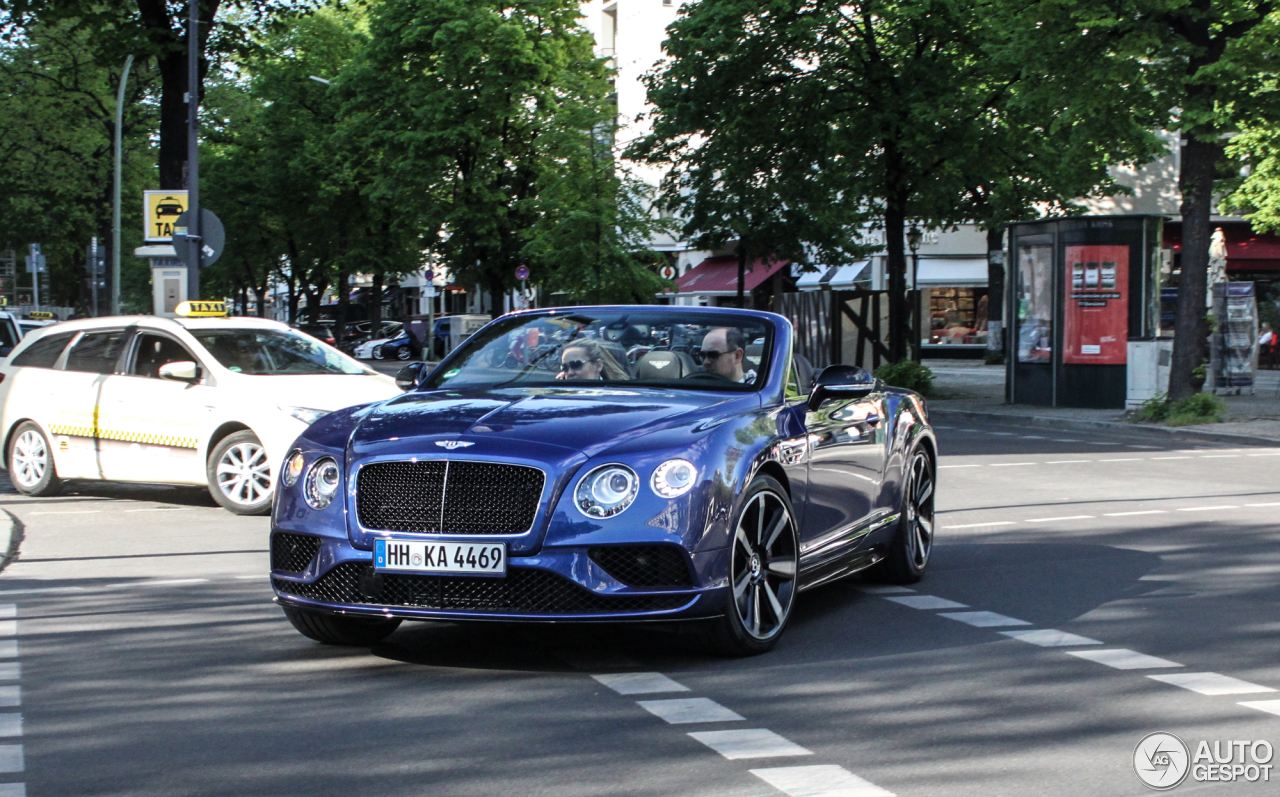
x=1096, y=328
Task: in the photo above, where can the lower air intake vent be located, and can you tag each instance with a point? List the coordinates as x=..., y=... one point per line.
x=291, y=553
x=644, y=565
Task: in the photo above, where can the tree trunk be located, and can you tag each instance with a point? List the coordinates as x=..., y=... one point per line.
x=341, y=284
x=173, y=120
x=742, y=273
x=1190, y=343
x=895, y=223
x=995, y=293
x=496, y=298
x=375, y=308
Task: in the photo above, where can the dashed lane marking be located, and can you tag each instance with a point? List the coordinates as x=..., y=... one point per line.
x=1009, y=464
x=819, y=781
x=752, y=743
x=1064, y=440
x=1067, y=461
x=639, y=683
x=977, y=525
x=10, y=670
x=10, y=725
x=1052, y=519
x=1219, y=456
x=1205, y=508
x=10, y=696
x=984, y=619
x=1272, y=503
x=1124, y=659
x=11, y=761
x=1126, y=459
x=1050, y=638
x=1155, y=458
x=1269, y=706
x=927, y=602
x=686, y=710
x=1139, y=512
x=1210, y=683
x=941, y=467
x=68, y=512
x=885, y=590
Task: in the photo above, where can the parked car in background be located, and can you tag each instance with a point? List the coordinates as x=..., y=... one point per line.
x=200, y=401
x=365, y=350
x=320, y=332
x=10, y=333
x=398, y=348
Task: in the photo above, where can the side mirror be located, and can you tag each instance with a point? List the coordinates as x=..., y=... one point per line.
x=409, y=376
x=181, y=371
x=841, y=381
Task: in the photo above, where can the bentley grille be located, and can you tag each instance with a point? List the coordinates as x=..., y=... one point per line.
x=448, y=497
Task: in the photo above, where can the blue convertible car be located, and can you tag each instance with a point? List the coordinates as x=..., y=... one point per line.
x=605, y=464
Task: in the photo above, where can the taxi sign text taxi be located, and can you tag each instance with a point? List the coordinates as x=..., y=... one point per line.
x=201, y=309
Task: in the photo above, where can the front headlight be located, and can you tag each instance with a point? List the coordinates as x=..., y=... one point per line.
x=606, y=491
x=673, y=478
x=323, y=481
x=292, y=469
x=307, y=416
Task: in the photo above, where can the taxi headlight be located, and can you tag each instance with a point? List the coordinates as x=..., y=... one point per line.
x=304, y=414
x=292, y=469
x=322, y=483
x=606, y=491
x=673, y=478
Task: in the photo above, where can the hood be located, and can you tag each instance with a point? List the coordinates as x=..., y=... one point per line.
x=577, y=419
x=321, y=391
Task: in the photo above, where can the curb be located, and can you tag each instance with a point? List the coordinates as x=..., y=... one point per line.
x=1109, y=426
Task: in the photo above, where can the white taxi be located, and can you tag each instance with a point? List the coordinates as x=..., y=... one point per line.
x=202, y=401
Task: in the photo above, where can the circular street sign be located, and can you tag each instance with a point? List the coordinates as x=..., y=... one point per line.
x=668, y=272
x=430, y=275
x=522, y=272
x=211, y=230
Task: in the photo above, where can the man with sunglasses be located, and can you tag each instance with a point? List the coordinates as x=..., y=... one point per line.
x=723, y=350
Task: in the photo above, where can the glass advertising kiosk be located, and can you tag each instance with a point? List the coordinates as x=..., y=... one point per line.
x=1080, y=289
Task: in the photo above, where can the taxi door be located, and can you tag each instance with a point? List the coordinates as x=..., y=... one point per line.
x=73, y=394
x=149, y=428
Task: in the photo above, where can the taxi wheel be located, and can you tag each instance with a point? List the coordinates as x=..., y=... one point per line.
x=240, y=474
x=334, y=630
x=30, y=461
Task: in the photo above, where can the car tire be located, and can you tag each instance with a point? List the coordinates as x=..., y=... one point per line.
x=912, y=544
x=239, y=474
x=377, y=353
x=30, y=461
x=333, y=629
x=763, y=568
x=403, y=353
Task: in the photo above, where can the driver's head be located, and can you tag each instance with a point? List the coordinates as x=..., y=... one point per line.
x=722, y=351
x=582, y=360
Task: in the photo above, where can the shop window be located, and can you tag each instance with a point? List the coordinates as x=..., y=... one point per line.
x=957, y=317
x=1035, y=304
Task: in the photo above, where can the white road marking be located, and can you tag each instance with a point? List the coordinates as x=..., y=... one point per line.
x=825, y=780
x=1269, y=706
x=1219, y=456
x=753, y=743
x=1123, y=459
x=1092, y=443
x=984, y=619
x=8, y=648
x=1003, y=434
x=940, y=426
x=67, y=512
x=1271, y=454
x=1173, y=457
x=1273, y=503
x=1064, y=440
x=1010, y=464
x=1204, y=508
x=684, y=710
x=164, y=509
x=11, y=758
x=1050, y=638
x=928, y=602
x=976, y=525
x=10, y=724
x=13, y=790
x=940, y=467
x=10, y=696
x=1031, y=437
x=1123, y=659
x=885, y=590
x=40, y=590
x=1211, y=683
x=1136, y=445
x=639, y=683
x=10, y=671
x=1141, y=512
x=8, y=610
x=1067, y=461
x=1064, y=517
x=8, y=627
x=168, y=582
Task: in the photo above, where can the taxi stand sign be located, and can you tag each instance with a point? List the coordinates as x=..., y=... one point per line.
x=201, y=309
x=160, y=209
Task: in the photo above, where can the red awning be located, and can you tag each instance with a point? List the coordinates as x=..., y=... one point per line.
x=1246, y=249
x=720, y=274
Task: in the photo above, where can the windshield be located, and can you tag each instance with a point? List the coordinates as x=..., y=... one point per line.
x=693, y=351
x=270, y=351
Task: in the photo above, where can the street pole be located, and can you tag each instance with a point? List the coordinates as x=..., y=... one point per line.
x=93, y=273
x=115, y=199
x=193, y=151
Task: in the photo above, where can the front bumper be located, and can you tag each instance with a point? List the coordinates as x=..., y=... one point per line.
x=559, y=584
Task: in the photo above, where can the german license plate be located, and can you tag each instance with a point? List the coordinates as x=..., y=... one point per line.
x=442, y=558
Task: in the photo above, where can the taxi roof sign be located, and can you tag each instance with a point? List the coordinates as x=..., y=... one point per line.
x=40, y=315
x=201, y=309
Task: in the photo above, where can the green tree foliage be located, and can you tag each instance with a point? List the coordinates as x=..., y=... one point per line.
x=1256, y=195
x=481, y=122
x=57, y=120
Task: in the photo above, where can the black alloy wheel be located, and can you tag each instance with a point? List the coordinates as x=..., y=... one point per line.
x=763, y=564
x=912, y=545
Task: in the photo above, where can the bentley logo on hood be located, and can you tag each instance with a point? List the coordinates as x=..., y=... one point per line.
x=452, y=444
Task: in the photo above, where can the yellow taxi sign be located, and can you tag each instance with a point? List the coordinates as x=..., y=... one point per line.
x=201, y=309
x=160, y=209
x=40, y=315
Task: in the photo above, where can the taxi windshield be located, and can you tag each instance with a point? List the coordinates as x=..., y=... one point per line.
x=270, y=351
x=694, y=351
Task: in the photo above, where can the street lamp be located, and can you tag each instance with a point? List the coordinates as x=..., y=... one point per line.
x=914, y=236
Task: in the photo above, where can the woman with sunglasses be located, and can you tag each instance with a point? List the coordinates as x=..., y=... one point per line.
x=586, y=360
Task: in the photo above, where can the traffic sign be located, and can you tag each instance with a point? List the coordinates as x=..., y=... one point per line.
x=430, y=275
x=522, y=272
x=160, y=212
x=668, y=272
x=212, y=233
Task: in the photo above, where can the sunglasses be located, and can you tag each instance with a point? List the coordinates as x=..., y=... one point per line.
x=709, y=355
x=575, y=365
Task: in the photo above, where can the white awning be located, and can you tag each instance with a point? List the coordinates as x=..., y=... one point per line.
x=836, y=277
x=951, y=271
x=811, y=280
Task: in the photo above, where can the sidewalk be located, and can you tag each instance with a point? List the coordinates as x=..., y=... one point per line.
x=976, y=391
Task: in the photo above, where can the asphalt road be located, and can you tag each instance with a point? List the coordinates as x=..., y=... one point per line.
x=151, y=661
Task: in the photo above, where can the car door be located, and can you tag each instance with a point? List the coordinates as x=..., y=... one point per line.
x=73, y=401
x=846, y=466
x=150, y=428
